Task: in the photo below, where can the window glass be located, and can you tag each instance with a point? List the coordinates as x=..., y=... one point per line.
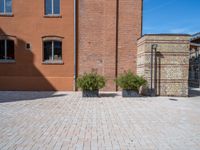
x=52, y=51
x=47, y=50
x=2, y=49
x=56, y=6
x=57, y=50
x=48, y=7
x=2, y=6
x=9, y=6
x=10, y=50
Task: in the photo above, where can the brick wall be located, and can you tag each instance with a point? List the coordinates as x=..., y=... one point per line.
x=129, y=31
x=107, y=35
x=172, y=63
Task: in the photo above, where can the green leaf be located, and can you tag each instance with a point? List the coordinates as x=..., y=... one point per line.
x=91, y=81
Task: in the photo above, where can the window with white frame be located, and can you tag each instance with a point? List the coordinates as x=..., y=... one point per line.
x=52, y=51
x=7, y=51
x=52, y=7
x=5, y=6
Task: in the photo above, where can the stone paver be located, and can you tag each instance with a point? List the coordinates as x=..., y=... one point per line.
x=61, y=121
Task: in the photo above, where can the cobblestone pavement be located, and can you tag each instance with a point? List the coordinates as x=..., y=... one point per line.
x=64, y=121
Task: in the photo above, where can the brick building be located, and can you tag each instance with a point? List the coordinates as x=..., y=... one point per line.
x=194, y=71
x=107, y=39
x=45, y=45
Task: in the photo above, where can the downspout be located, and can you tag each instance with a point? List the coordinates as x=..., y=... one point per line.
x=153, y=66
x=152, y=48
x=142, y=10
x=155, y=71
x=75, y=44
x=117, y=40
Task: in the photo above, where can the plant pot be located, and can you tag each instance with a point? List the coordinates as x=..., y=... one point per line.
x=88, y=93
x=129, y=93
x=144, y=91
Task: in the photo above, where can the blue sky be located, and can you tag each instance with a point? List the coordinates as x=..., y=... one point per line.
x=171, y=16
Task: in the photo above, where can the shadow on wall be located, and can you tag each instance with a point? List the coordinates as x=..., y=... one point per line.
x=8, y=96
x=22, y=74
x=159, y=56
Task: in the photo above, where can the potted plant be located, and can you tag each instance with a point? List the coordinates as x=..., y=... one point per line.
x=90, y=83
x=130, y=84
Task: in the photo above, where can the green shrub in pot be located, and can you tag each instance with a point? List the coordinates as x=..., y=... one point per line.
x=130, y=84
x=90, y=83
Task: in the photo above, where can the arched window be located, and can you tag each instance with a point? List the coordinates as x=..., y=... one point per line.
x=7, y=49
x=52, y=49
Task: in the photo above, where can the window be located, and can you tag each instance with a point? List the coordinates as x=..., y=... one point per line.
x=7, y=50
x=52, y=51
x=52, y=7
x=5, y=6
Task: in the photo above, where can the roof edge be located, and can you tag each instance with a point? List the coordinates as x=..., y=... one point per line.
x=164, y=34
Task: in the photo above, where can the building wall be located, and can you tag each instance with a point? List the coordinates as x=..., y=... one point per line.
x=130, y=28
x=107, y=37
x=28, y=24
x=97, y=38
x=172, y=63
x=194, y=71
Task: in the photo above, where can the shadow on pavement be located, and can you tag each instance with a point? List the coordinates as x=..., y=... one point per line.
x=25, y=96
x=108, y=94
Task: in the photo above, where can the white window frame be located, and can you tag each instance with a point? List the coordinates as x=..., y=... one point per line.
x=52, y=60
x=52, y=9
x=5, y=12
x=52, y=50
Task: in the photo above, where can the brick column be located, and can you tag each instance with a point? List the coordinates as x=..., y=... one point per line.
x=97, y=38
x=130, y=16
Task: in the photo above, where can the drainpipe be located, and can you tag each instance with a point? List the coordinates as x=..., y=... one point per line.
x=117, y=40
x=75, y=44
x=142, y=10
x=155, y=70
x=153, y=56
x=152, y=47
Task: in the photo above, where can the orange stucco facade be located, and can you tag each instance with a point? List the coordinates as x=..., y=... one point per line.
x=28, y=24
